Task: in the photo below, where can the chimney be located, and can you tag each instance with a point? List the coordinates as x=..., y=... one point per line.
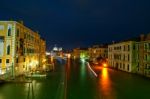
x=142, y=37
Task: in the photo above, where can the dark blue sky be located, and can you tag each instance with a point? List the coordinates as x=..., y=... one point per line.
x=73, y=23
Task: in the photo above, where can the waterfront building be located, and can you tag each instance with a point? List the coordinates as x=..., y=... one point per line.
x=42, y=51
x=122, y=56
x=143, y=56
x=131, y=55
x=80, y=53
x=20, y=49
x=98, y=51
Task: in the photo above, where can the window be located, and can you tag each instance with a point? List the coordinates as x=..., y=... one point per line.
x=7, y=60
x=128, y=57
x=120, y=65
x=120, y=47
x=145, y=56
x=133, y=47
x=0, y=60
x=17, y=32
x=1, y=45
x=8, y=49
x=145, y=46
x=24, y=59
x=124, y=57
x=123, y=66
x=124, y=47
x=24, y=50
x=17, y=60
x=9, y=31
x=148, y=67
x=128, y=47
x=128, y=67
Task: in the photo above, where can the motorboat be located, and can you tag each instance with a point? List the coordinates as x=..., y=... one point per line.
x=35, y=75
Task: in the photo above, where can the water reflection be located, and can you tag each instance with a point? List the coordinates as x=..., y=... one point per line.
x=82, y=73
x=106, y=85
x=68, y=68
x=1, y=96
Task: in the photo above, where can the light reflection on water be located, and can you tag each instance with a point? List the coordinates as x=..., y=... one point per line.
x=82, y=72
x=1, y=96
x=105, y=83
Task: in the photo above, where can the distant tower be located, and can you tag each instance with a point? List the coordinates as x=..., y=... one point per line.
x=55, y=48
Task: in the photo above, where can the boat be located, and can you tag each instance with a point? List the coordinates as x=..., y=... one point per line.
x=35, y=75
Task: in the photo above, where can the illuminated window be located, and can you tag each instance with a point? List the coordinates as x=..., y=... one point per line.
x=1, y=45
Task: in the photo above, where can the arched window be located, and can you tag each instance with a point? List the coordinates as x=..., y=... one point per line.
x=9, y=31
x=8, y=49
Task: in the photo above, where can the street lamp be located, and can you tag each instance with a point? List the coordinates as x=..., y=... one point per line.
x=104, y=65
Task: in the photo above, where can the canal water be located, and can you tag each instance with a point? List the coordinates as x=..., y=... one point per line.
x=81, y=84
x=51, y=87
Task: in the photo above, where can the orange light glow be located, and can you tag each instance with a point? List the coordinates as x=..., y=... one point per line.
x=105, y=65
x=106, y=84
x=68, y=55
x=105, y=73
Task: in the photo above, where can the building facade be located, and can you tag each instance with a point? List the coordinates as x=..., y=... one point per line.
x=143, y=48
x=98, y=51
x=122, y=56
x=80, y=53
x=42, y=62
x=131, y=55
x=21, y=49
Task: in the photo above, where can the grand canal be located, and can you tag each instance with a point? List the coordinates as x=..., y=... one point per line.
x=74, y=80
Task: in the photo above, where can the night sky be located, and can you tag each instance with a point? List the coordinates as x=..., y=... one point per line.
x=74, y=23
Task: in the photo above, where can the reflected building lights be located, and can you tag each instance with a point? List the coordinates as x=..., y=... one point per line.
x=106, y=85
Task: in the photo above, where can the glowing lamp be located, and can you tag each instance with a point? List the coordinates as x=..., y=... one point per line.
x=104, y=64
x=83, y=60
